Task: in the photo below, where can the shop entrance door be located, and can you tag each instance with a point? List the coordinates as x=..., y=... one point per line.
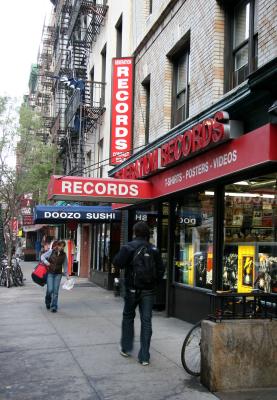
x=85, y=253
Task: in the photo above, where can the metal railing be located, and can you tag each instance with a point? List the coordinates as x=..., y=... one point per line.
x=232, y=305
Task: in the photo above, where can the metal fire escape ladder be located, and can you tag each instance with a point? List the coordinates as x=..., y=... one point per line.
x=45, y=83
x=62, y=14
x=81, y=34
x=84, y=108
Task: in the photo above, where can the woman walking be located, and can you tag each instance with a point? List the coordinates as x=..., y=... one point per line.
x=56, y=261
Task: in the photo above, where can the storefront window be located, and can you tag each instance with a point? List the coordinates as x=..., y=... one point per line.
x=250, y=251
x=193, y=248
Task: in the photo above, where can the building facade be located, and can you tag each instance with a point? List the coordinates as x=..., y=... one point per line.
x=204, y=136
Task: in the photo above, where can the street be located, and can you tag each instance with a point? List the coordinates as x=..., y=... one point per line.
x=74, y=354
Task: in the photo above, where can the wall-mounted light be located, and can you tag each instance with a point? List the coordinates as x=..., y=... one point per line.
x=234, y=194
x=273, y=112
x=242, y=183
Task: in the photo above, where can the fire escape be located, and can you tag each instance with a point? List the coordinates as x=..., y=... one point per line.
x=62, y=12
x=85, y=104
x=45, y=82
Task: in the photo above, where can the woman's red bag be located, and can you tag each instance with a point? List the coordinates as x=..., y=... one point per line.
x=39, y=274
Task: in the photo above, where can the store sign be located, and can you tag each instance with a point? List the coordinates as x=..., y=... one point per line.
x=121, y=109
x=250, y=150
x=26, y=202
x=26, y=211
x=98, y=189
x=27, y=220
x=65, y=214
x=198, y=138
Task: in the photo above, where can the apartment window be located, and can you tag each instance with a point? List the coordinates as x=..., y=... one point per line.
x=150, y=6
x=88, y=163
x=146, y=88
x=100, y=158
x=118, y=28
x=91, y=74
x=180, y=92
x=243, y=38
x=103, y=72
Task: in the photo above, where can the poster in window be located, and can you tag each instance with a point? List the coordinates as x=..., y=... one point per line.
x=200, y=264
x=237, y=217
x=209, y=276
x=257, y=218
x=246, y=259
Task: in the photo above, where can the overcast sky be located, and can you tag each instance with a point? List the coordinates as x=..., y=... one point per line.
x=21, y=23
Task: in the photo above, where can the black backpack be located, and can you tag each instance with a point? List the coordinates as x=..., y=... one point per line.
x=144, y=267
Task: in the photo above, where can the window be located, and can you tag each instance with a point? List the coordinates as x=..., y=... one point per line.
x=92, y=86
x=243, y=39
x=118, y=28
x=150, y=6
x=193, y=247
x=180, y=92
x=146, y=88
x=250, y=251
x=88, y=163
x=103, y=73
x=100, y=158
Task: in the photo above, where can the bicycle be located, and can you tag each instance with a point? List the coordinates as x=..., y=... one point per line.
x=231, y=305
x=11, y=273
x=5, y=276
x=17, y=274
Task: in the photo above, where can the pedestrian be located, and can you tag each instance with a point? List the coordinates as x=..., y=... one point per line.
x=56, y=261
x=138, y=291
x=38, y=249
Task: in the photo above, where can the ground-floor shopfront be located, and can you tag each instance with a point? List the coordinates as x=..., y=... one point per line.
x=213, y=211
x=89, y=233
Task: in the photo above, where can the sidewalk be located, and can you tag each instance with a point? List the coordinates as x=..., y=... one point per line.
x=74, y=354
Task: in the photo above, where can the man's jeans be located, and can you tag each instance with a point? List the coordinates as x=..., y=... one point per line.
x=145, y=300
x=52, y=292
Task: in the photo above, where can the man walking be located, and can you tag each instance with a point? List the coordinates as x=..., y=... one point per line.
x=143, y=270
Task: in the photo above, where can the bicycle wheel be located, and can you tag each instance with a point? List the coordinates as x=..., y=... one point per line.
x=19, y=275
x=190, y=354
x=8, y=278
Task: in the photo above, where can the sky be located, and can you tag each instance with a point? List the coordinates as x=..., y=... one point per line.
x=21, y=23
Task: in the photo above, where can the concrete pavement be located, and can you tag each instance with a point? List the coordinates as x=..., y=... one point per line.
x=74, y=354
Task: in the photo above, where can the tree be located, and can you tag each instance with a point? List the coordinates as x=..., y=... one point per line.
x=8, y=178
x=37, y=161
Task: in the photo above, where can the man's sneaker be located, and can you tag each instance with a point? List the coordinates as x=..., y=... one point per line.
x=48, y=307
x=144, y=363
x=54, y=310
x=124, y=354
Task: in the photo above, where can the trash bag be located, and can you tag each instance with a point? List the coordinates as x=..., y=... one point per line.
x=69, y=283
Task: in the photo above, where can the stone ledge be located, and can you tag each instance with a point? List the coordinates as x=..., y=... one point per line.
x=238, y=354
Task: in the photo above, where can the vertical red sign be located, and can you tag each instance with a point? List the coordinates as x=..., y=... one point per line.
x=121, y=110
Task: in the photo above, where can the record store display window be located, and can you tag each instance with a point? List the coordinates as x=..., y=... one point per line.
x=250, y=251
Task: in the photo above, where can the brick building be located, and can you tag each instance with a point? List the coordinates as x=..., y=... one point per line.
x=213, y=212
